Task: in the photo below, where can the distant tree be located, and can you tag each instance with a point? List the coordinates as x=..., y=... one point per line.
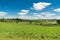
x=17, y=20
x=30, y=22
x=58, y=21
x=2, y=20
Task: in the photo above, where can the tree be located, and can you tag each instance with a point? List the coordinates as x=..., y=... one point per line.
x=30, y=22
x=17, y=20
x=58, y=21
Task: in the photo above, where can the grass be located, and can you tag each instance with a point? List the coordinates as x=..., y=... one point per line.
x=21, y=31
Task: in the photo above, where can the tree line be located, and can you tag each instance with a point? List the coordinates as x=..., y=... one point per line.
x=41, y=21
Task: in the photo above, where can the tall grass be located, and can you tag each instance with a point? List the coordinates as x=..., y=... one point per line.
x=20, y=31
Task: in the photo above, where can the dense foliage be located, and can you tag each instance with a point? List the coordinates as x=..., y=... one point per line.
x=37, y=22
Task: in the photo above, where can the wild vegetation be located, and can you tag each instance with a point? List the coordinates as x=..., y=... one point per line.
x=19, y=29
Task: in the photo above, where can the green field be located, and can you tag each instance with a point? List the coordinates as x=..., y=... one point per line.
x=20, y=31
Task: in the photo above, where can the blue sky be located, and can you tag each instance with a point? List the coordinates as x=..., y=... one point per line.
x=26, y=9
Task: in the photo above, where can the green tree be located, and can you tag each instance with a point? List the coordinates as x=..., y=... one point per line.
x=58, y=21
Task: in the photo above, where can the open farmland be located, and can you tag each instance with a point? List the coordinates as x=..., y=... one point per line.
x=20, y=31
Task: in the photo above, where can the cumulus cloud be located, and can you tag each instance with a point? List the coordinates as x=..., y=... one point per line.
x=10, y=17
x=28, y=17
x=57, y=10
x=24, y=17
x=36, y=6
x=48, y=14
x=23, y=12
x=43, y=15
x=40, y=5
x=3, y=14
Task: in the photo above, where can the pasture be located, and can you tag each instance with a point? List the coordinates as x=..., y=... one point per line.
x=21, y=31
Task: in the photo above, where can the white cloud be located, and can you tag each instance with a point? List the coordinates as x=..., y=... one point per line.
x=2, y=14
x=38, y=17
x=36, y=6
x=57, y=10
x=28, y=17
x=43, y=15
x=40, y=5
x=23, y=17
x=48, y=14
x=23, y=12
x=10, y=17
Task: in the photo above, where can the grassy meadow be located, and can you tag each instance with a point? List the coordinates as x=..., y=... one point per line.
x=23, y=31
